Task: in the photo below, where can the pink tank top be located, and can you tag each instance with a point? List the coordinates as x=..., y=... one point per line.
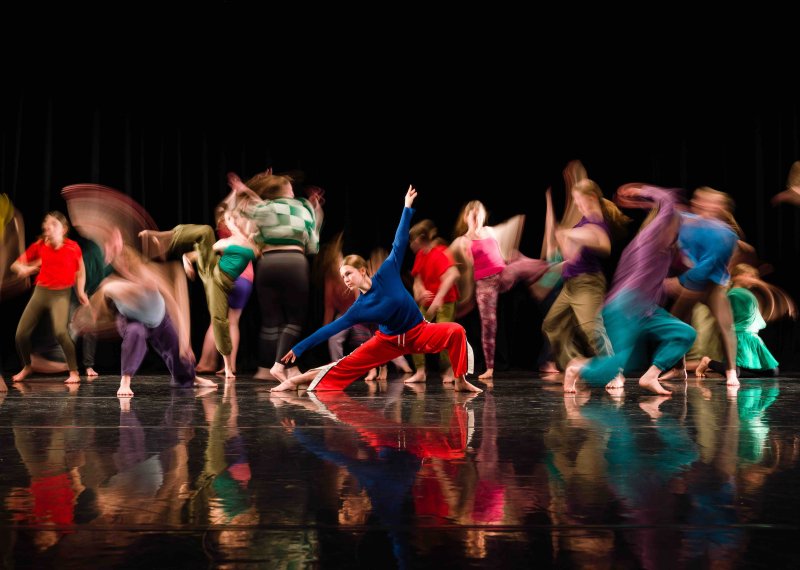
x=486, y=258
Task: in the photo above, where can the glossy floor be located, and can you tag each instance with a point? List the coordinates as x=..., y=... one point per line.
x=387, y=475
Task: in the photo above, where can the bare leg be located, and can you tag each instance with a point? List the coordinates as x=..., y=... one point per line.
x=402, y=365
x=155, y=244
x=3, y=387
x=463, y=386
x=418, y=376
x=45, y=366
x=383, y=372
x=209, y=358
x=125, y=387
x=229, y=373
x=22, y=374
x=721, y=309
x=572, y=373
x=448, y=376
x=297, y=381
x=650, y=381
x=73, y=378
x=233, y=319
x=371, y=375
x=486, y=375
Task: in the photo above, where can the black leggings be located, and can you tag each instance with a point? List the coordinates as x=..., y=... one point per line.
x=742, y=372
x=282, y=289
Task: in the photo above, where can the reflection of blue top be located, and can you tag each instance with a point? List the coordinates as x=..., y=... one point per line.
x=387, y=479
x=709, y=245
x=387, y=302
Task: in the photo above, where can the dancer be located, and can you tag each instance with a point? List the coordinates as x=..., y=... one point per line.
x=237, y=299
x=402, y=330
x=288, y=228
x=632, y=313
x=218, y=272
x=576, y=310
x=494, y=273
x=708, y=235
x=753, y=358
x=60, y=265
x=435, y=275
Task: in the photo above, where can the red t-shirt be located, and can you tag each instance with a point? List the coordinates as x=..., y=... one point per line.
x=431, y=266
x=59, y=266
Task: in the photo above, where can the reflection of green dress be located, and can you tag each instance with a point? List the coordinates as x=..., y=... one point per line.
x=751, y=353
x=752, y=404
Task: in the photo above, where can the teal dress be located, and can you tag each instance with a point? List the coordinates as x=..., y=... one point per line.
x=751, y=351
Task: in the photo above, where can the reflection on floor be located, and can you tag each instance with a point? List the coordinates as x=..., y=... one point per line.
x=392, y=475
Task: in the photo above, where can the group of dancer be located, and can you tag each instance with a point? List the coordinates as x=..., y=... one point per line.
x=589, y=334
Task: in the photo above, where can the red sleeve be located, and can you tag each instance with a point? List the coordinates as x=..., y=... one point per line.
x=441, y=262
x=32, y=253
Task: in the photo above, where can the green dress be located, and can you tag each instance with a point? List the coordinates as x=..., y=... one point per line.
x=751, y=353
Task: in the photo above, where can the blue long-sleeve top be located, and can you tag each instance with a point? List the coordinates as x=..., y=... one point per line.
x=709, y=245
x=387, y=302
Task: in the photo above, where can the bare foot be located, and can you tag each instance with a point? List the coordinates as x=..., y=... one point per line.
x=650, y=406
x=700, y=371
x=418, y=376
x=293, y=371
x=572, y=373
x=278, y=371
x=125, y=388
x=674, y=373
x=732, y=391
x=91, y=372
x=205, y=369
x=461, y=385
x=371, y=375
x=730, y=378
x=486, y=375
x=549, y=368
x=383, y=372
x=616, y=384
x=230, y=374
x=22, y=374
x=263, y=374
x=124, y=404
x=201, y=382
x=418, y=389
x=284, y=386
x=73, y=378
x=650, y=382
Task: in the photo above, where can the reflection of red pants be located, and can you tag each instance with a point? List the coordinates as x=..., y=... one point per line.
x=425, y=337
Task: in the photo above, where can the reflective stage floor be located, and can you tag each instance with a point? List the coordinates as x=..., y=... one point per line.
x=386, y=475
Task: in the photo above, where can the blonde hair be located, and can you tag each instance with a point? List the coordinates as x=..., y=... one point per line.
x=612, y=215
x=268, y=186
x=728, y=207
x=461, y=225
x=355, y=261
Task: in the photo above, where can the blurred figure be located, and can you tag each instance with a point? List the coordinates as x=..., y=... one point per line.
x=237, y=299
x=494, y=271
x=575, y=314
x=632, y=313
x=435, y=275
x=288, y=228
x=792, y=193
x=59, y=263
x=708, y=235
x=753, y=358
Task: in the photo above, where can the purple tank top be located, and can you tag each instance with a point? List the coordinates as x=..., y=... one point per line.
x=587, y=260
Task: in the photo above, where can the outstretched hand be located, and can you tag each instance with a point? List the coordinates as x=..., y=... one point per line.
x=289, y=357
x=410, y=195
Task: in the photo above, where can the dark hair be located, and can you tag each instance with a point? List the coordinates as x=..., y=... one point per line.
x=58, y=216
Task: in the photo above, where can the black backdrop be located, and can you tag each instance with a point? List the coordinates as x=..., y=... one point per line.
x=169, y=146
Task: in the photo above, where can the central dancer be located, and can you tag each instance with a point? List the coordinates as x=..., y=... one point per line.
x=402, y=329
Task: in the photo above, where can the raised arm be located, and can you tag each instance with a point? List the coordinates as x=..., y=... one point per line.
x=400, y=244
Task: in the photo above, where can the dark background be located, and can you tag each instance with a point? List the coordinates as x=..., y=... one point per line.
x=456, y=133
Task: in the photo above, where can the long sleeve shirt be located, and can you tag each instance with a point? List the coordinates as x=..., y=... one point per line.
x=387, y=302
